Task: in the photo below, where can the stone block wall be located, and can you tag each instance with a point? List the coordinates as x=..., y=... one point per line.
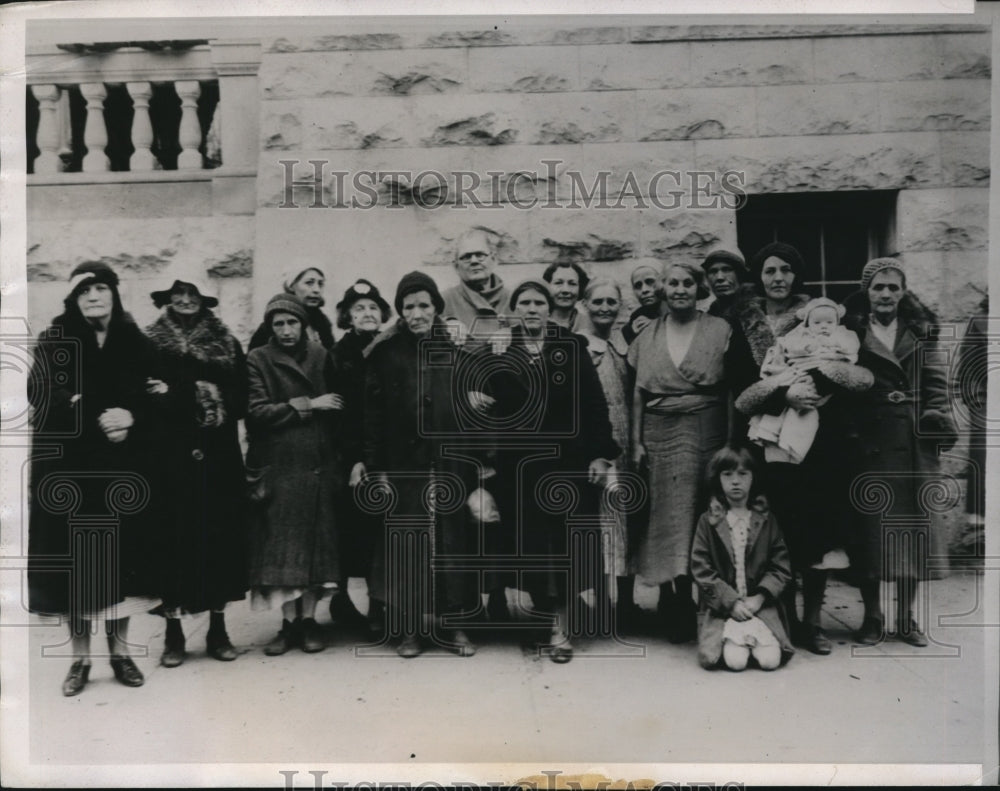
x=796, y=108
x=542, y=112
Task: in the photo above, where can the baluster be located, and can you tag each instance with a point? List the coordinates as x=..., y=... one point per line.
x=95, y=133
x=64, y=124
x=142, y=129
x=189, y=136
x=47, y=138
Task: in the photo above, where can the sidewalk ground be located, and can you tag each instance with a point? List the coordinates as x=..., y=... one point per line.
x=887, y=704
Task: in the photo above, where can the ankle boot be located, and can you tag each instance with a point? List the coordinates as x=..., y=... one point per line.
x=174, y=644
x=813, y=591
x=217, y=640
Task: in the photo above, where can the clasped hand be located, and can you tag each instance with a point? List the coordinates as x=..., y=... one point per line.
x=327, y=401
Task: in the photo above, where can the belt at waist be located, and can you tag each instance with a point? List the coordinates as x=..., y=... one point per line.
x=892, y=396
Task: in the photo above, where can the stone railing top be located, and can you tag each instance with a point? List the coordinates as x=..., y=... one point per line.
x=549, y=35
x=53, y=64
x=140, y=61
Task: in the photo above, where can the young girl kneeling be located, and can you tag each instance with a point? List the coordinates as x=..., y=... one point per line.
x=740, y=563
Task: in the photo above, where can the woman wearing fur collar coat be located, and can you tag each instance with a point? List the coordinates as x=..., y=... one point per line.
x=203, y=395
x=902, y=424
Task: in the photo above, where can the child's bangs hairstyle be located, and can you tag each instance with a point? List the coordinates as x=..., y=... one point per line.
x=731, y=457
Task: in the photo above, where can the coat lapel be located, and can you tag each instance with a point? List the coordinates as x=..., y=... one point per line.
x=876, y=347
x=288, y=363
x=905, y=343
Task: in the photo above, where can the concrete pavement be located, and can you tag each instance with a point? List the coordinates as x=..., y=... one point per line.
x=887, y=704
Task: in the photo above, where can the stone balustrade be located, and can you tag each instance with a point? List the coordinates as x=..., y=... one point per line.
x=171, y=100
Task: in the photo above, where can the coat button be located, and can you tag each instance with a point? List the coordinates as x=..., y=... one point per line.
x=316, y=471
x=197, y=455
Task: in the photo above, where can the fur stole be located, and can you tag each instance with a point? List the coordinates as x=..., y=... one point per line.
x=750, y=313
x=208, y=341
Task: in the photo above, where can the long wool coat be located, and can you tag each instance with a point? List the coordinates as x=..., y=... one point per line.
x=201, y=477
x=713, y=566
x=296, y=450
x=409, y=416
x=552, y=408
x=75, y=468
x=357, y=528
x=896, y=442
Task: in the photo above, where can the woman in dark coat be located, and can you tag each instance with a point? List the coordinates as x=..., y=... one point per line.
x=293, y=417
x=901, y=422
x=547, y=394
x=808, y=499
x=361, y=313
x=306, y=282
x=409, y=410
x=91, y=415
x=203, y=373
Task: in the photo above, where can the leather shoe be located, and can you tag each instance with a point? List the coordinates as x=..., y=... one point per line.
x=173, y=644
x=76, y=679
x=219, y=647
x=911, y=634
x=461, y=644
x=410, y=647
x=286, y=639
x=126, y=671
x=872, y=632
x=313, y=639
x=815, y=640
x=559, y=649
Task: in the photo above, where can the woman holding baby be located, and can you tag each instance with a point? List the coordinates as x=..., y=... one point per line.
x=800, y=416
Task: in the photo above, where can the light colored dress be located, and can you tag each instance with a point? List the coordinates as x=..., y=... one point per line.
x=753, y=632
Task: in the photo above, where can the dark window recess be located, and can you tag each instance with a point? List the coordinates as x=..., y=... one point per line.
x=836, y=233
x=165, y=115
x=31, y=114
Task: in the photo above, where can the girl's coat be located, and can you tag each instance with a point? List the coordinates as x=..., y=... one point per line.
x=713, y=567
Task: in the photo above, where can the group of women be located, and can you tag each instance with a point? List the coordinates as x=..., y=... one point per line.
x=397, y=454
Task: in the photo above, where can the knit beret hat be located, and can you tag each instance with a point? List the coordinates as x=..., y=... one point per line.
x=286, y=303
x=415, y=281
x=877, y=265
